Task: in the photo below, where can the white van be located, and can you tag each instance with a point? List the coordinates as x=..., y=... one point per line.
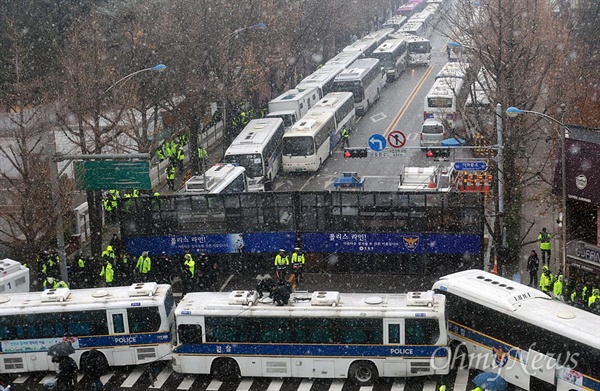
x=432, y=133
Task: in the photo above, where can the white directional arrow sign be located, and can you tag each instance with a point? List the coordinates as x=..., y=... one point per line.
x=377, y=142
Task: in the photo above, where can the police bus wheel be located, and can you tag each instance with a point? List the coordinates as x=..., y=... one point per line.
x=363, y=373
x=225, y=369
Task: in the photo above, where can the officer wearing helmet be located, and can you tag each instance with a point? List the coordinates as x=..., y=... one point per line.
x=189, y=271
x=281, y=262
x=143, y=266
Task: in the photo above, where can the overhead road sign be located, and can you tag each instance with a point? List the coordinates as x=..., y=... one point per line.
x=377, y=142
x=396, y=139
x=107, y=174
x=470, y=166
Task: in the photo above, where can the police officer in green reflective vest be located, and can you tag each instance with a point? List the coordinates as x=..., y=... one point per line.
x=545, y=246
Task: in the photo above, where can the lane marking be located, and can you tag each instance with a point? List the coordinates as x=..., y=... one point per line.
x=429, y=385
x=187, y=382
x=21, y=379
x=245, y=385
x=398, y=385
x=462, y=378
x=214, y=385
x=408, y=101
x=275, y=385
x=133, y=377
x=162, y=377
x=306, y=385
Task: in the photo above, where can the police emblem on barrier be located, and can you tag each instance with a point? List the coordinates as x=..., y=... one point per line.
x=500, y=356
x=411, y=242
x=581, y=182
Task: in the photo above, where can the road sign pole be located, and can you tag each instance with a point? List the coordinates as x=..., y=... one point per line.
x=500, y=172
x=56, y=200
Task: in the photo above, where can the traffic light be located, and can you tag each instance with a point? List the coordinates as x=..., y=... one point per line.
x=355, y=152
x=438, y=153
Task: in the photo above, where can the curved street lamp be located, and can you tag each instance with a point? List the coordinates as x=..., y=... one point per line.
x=156, y=68
x=513, y=112
x=254, y=26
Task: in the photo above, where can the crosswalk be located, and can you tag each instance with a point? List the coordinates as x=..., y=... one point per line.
x=138, y=378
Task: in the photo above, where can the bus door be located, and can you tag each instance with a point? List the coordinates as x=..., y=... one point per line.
x=118, y=329
x=393, y=336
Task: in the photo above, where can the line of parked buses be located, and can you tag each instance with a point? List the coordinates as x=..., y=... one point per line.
x=471, y=318
x=304, y=124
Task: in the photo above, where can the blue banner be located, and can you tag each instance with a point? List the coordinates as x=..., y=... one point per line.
x=391, y=243
x=380, y=243
x=256, y=242
x=177, y=244
x=333, y=242
x=453, y=244
x=269, y=242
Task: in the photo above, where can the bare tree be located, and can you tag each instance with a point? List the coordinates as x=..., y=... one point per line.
x=84, y=113
x=26, y=215
x=519, y=43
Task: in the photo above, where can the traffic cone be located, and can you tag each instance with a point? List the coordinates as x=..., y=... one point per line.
x=495, y=268
x=486, y=183
x=469, y=186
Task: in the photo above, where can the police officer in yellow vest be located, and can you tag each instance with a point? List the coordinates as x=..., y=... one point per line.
x=297, y=260
x=546, y=279
x=143, y=266
x=594, y=297
x=53, y=283
x=281, y=262
x=345, y=137
x=108, y=253
x=170, y=171
x=180, y=158
x=189, y=272
x=545, y=246
x=107, y=272
x=557, y=289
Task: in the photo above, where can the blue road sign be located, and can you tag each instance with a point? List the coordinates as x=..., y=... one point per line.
x=470, y=166
x=377, y=142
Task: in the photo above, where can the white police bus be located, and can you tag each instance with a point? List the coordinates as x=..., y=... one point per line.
x=129, y=325
x=443, y=100
x=341, y=105
x=220, y=178
x=258, y=149
x=322, y=78
x=393, y=56
x=365, y=79
x=308, y=143
x=533, y=341
x=419, y=48
x=321, y=335
x=344, y=59
x=14, y=277
x=367, y=44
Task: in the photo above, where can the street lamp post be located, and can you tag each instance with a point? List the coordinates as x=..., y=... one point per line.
x=254, y=26
x=500, y=162
x=225, y=39
x=54, y=179
x=513, y=112
x=156, y=68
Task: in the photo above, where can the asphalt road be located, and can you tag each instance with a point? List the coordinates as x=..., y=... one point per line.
x=399, y=109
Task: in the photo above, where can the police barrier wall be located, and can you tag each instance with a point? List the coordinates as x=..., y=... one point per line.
x=405, y=233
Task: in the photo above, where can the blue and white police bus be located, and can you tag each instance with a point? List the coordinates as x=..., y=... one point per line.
x=325, y=334
x=129, y=325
